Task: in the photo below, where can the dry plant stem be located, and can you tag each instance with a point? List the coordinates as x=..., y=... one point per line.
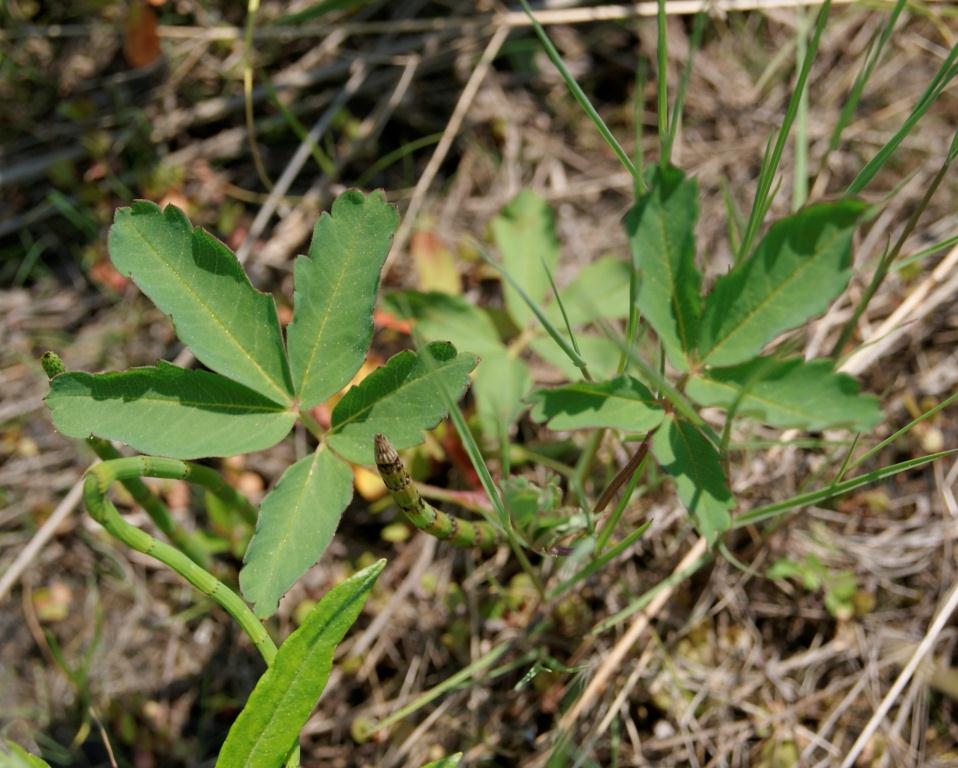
x=511, y=19
x=939, y=287
x=299, y=158
x=445, y=143
x=924, y=648
x=46, y=532
x=612, y=662
x=95, y=487
x=887, y=259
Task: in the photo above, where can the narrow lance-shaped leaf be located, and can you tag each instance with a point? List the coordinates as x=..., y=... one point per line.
x=600, y=289
x=661, y=230
x=524, y=233
x=168, y=411
x=193, y=277
x=788, y=393
x=296, y=522
x=600, y=352
x=692, y=461
x=622, y=403
x=400, y=400
x=335, y=292
x=284, y=697
x=799, y=267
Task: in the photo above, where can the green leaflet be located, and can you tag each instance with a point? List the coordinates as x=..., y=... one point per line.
x=401, y=400
x=622, y=403
x=193, y=277
x=661, y=230
x=694, y=464
x=788, y=393
x=296, y=522
x=500, y=384
x=799, y=267
x=267, y=729
x=168, y=411
x=524, y=232
x=441, y=317
x=335, y=293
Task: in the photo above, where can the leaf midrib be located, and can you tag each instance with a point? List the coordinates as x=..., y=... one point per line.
x=803, y=265
x=318, y=637
x=296, y=507
x=331, y=296
x=177, y=403
x=440, y=366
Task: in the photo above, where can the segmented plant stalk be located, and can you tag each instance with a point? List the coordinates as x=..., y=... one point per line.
x=462, y=533
x=95, y=487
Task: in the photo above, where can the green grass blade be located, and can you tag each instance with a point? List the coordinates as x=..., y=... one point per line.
x=945, y=74
x=662, y=85
x=903, y=431
x=861, y=80
x=698, y=28
x=577, y=93
x=800, y=169
x=814, y=497
x=773, y=158
x=644, y=599
x=605, y=558
x=547, y=324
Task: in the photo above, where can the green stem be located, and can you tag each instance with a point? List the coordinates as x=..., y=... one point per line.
x=154, y=507
x=95, y=487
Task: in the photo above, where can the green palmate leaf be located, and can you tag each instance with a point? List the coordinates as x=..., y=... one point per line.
x=600, y=352
x=441, y=317
x=661, y=230
x=168, y=411
x=193, y=277
x=799, y=267
x=297, y=521
x=450, y=761
x=335, y=293
x=622, y=403
x=601, y=289
x=266, y=730
x=788, y=393
x=400, y=400
x=692, y=461
x=501, y=383
x=524, y=232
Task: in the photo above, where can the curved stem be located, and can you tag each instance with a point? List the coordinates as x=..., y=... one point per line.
x=95, y=487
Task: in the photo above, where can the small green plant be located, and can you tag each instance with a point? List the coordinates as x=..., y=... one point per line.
x=258, y=387
x=839, y=588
